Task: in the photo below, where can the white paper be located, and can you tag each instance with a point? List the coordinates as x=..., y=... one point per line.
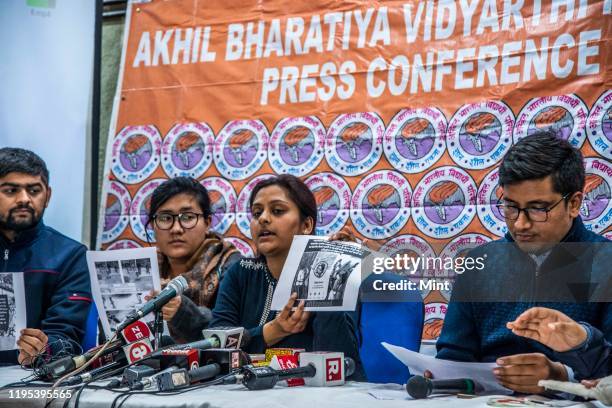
x=12, y=309
x=326, y=274
x=481, y=373
x=120, y=280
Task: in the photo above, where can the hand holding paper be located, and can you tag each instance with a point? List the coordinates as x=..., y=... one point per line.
x=481, y=373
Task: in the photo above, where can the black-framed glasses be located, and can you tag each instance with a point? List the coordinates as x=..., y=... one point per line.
x=187, y=220
x=512, y=212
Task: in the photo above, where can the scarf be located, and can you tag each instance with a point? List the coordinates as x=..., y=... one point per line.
x=203, y=269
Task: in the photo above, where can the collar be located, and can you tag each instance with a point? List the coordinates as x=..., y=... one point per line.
x=24, y=237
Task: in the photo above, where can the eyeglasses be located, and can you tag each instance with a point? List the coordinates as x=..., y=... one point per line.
x=187, y=220
x=512, y=212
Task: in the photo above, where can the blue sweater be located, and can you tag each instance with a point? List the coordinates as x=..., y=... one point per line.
x=476, y=331
x=57, y=287
x=244, y=300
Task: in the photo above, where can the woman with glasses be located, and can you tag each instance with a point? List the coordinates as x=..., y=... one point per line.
x=180, y=216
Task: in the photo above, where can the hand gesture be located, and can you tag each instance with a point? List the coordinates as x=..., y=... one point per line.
x=550, y=327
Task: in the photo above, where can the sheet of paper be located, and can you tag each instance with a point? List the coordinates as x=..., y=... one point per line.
x=417, y=363
x=12, y=309
x=120, y=279
x=326, y=274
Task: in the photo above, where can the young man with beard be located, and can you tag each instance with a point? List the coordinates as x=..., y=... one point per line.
x=547, y=255
x=57, y=287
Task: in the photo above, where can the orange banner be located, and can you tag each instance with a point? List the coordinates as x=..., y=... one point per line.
x=395, y=113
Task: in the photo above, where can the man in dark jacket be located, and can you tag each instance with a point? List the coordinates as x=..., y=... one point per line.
x=547, y=259
x=57, y=287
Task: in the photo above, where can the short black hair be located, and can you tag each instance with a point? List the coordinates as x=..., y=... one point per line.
x=175, y=186
x=16, y=160
x=297, y=191
x=540, y=155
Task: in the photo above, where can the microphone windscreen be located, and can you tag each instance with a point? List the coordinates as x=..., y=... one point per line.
x=246, y=339
x=349, y=367
x=179, y=284
x=418, y=387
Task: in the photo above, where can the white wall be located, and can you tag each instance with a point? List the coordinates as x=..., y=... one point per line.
x=46, y=74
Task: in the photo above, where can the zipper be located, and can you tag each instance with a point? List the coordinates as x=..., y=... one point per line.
x=6, y=258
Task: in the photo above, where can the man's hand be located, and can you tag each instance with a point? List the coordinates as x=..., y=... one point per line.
x=31, y=343
x=170, y=308
x=521, y=372
x=287, y=322
x=550, y=327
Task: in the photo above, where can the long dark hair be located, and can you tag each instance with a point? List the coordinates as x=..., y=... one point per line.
x=297, y=191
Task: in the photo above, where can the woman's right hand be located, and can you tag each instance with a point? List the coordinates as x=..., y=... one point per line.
x=170, y=308
x=287, y=322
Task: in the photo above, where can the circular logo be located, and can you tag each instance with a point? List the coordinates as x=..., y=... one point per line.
x=489, y=194
x=116, y=212
x=135, y=153
x=138, y=350
x=354, y=143
x=380, y=204
x=479, y=134
x=459, y=247
x=565, y=116
x=596, y=210
x=414, y=140
x=333, y=198
x=320, y=268
x=139, y=210
x=443, y=202
x=187, y=150
x=242, y=246
x=297, y=145
x=241, y=148
x=222, y=203
x=599, y=125
x=415, y=247
x=123, y=244
x=243, y=212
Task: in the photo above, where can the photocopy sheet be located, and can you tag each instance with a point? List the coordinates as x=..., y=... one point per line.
x=481, y=373
x=12, y=309
x=120, y=279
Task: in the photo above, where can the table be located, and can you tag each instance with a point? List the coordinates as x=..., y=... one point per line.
x=351, y=395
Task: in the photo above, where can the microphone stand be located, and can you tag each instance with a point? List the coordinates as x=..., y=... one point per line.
x=158, y=329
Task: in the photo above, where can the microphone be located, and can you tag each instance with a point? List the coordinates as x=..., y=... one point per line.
x=55, y=369
x=332, y=368
x=182, y=378
x=134, y=340
x=175, y=287
x=420, y=387
x=263, y=378
x=215, y=338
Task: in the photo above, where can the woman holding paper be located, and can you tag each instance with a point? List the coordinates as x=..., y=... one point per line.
x=180, y=215
x=281, y=207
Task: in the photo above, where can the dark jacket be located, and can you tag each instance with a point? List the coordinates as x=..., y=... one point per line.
x=483, y=301
x=244, y=300
x=192, y=317
x=57, y=287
